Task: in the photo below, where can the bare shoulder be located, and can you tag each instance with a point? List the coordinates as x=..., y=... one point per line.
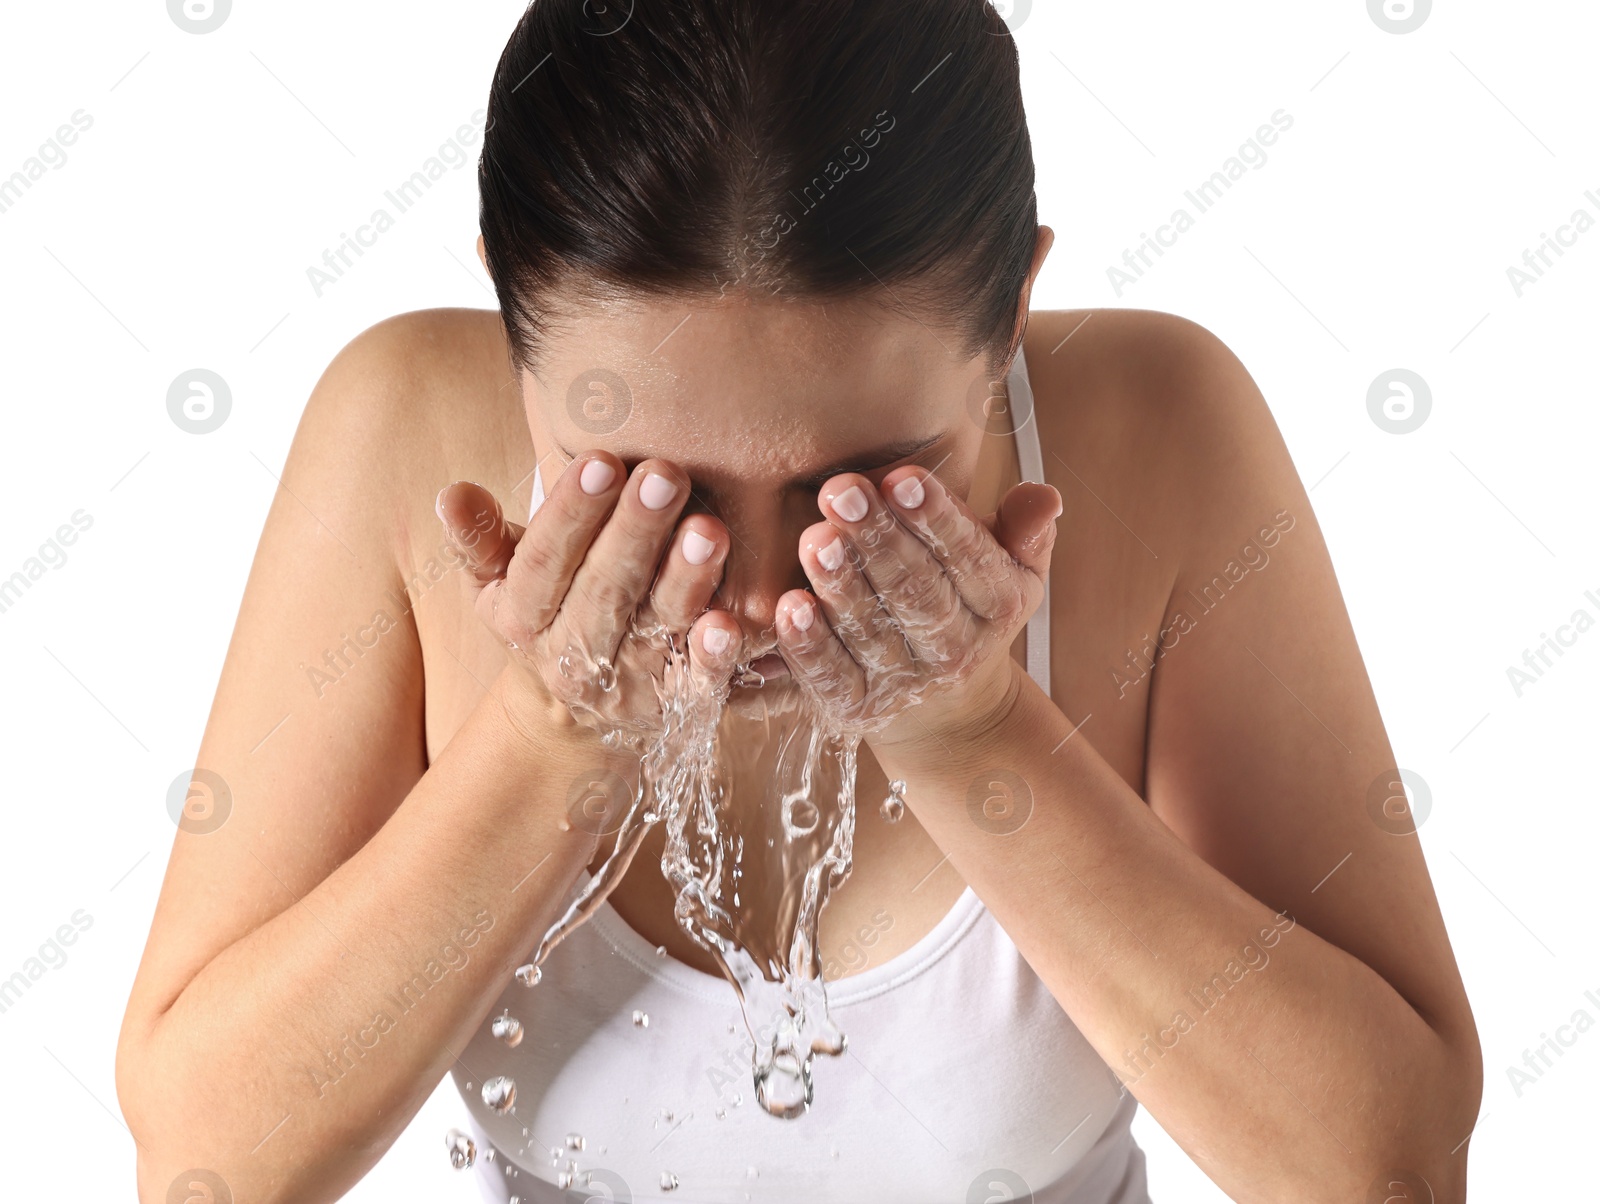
x=1165, y=418
x=1168, y=460
x=421, y=375
x=433, y=400
x=416, y=401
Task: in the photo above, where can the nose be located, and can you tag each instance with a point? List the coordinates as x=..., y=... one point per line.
x=763, y=564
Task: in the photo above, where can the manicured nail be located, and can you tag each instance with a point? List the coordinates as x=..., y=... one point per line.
x=697, y=548
x=909, y=493
x=596, y=477
x=851, y=505
x=803, y=616
x=657, y=492
x=715, y=640
x=832, y=556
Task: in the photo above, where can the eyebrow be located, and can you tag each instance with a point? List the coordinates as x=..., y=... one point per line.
x=862, y=461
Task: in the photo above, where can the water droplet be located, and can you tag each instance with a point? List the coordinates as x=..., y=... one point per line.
x=661, y=950
x=641, y=1019
x=462, y=1149
x=666, y=1115
x=563, y=1179
x=750, y=1172
x=529, y=975
x=722, y=1113
x=490, y=1156
x=506, y=1027
x=669, y=1181
x=574, y=1141
x=605, y=674
x=893, y=807
x=500, y=1093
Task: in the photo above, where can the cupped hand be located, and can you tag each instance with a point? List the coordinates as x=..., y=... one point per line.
x=603, y=557
x=915, y=603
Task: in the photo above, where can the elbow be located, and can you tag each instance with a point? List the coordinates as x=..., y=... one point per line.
x=1424, y=1156
x=183, y=1150
x=163, y=1169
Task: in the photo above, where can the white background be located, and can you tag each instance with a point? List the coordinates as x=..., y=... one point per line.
x=218, y=168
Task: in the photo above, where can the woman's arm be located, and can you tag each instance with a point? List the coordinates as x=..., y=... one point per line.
x=316, y=959
x=1260, y=960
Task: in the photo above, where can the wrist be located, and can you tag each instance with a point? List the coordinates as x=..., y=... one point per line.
x=962, y=730
x=541, y=728
x=568, y=773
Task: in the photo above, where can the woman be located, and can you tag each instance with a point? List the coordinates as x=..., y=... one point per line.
x=764, y=275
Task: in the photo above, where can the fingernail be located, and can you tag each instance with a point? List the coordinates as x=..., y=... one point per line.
x=909, y=493
x=714, y=641
x=596, y=477
x=438, y=503
x=832, y=556
x=851, y=505
x=803, y=616
x=657, y=492
x=697, y=548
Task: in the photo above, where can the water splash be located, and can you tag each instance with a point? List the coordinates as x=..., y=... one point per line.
x=691, y=775
x=754, y=785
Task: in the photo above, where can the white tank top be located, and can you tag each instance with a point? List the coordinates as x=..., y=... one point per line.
x=964, y=1081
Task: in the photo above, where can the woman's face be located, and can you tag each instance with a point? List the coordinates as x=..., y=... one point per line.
x=759, y=402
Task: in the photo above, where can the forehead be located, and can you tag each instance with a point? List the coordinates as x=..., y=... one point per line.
x=744, y=386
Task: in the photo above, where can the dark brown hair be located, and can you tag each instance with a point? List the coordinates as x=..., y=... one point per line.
x=811, y=148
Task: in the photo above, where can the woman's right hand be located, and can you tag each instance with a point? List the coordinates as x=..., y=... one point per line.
x=564, y=593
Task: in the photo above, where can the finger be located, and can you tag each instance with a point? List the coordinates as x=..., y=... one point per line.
x=815, y=656
x=900, y=567
x=687, y=579
x=716, y=642
x=620, y=566
x=1025, y=524
x=477, y=527
x=557, y=537
x=873, y=639
x=992, y=584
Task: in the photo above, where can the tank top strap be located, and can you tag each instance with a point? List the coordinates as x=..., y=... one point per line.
x=1030, y=458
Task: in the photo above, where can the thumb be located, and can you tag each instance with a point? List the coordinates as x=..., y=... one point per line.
x=1025, y=524
x=478, y=528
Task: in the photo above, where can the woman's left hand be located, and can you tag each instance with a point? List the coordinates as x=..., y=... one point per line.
x=916, y=603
